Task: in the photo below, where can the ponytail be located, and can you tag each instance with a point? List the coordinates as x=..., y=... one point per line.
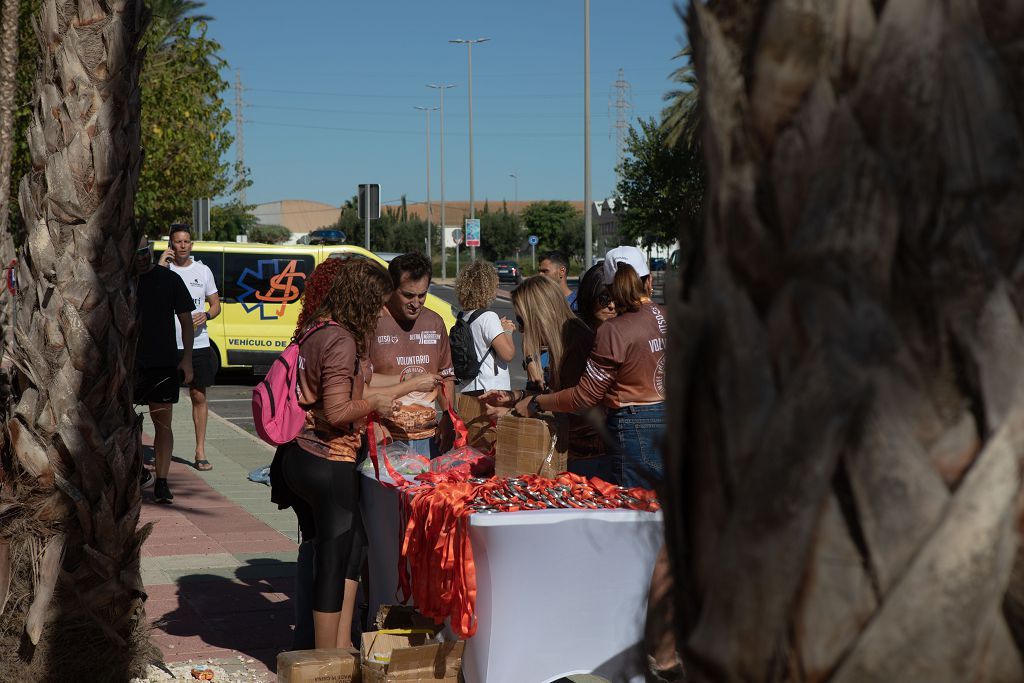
x=627, y=289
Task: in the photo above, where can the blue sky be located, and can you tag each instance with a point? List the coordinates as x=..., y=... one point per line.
x=330, y=89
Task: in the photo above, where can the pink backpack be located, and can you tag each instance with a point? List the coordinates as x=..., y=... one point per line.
x=275, y=400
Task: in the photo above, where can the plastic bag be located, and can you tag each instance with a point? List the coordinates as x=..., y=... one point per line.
x=465, y=460
x=405, y=461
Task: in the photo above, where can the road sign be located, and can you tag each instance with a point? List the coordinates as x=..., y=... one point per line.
x=472, y=232
x=457, y=236
x=534, y=240
x=374, y=201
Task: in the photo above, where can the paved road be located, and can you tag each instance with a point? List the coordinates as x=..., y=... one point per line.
x=231, y=398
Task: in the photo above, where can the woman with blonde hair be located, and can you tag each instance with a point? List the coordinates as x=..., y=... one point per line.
x=476, y=287
x=625, y=373
x=546, y=321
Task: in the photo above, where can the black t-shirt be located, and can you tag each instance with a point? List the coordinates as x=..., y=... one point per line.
x=162, y=295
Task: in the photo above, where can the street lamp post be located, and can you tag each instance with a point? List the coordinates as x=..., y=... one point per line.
x=588, y=227
x=469, y=43
x=444, y=250
x=430, y=215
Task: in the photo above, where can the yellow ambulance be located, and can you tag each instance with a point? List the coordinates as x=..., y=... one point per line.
x=260, y=286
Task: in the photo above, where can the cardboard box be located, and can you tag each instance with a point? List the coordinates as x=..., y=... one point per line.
x=395, y=656
x=527, y=445
x=481, y=431
x=404, y=649
x=319, y=666
x=390, y=617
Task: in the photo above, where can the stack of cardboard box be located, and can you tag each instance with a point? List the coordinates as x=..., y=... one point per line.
x=405, y=647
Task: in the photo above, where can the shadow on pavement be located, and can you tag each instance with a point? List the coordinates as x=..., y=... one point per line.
x=251, y=613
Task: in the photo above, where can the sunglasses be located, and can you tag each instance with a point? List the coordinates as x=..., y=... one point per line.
x=604, y=299
x=144, y=251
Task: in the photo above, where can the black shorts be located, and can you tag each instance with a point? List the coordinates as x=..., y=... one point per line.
x=156, y=385
x=202, y=367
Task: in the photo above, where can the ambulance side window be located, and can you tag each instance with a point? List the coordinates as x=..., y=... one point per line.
x=214, y=260
x=252, y=279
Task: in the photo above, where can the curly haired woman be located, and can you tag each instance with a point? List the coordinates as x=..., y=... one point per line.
x=320, y=283
x=318, y=467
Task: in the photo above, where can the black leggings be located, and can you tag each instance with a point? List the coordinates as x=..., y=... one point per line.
x=326, y=501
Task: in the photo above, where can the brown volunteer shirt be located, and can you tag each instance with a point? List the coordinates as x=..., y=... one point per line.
x=331, y=380
x=626, y=366
x=406, y=352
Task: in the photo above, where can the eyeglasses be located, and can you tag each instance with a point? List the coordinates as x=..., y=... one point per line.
x=604, y=299
x=144, y=251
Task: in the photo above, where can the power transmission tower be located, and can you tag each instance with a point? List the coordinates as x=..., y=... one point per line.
x=239, y=132
x=621, y=99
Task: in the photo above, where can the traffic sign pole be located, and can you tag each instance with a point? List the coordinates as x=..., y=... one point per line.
x=367, y=231
x=457, y=236
x=533, y=240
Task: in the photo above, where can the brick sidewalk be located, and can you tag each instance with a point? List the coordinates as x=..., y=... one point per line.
x=219, y=579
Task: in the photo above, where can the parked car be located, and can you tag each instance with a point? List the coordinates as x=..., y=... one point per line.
x=657, y=263
x=509, y=271
x=327, y=237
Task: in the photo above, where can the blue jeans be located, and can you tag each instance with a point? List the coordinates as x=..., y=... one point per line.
x=638, y=431
x=599, y=466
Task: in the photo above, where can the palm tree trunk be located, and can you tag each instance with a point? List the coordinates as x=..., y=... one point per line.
x=848, y=366
x=8, y=87
x=70, y=500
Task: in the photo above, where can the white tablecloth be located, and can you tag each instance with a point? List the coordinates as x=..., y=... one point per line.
x=559, y=592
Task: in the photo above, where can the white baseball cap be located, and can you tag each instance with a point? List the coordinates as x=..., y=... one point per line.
x=630, y=255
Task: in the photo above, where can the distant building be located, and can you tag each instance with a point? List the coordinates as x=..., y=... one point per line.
x=606, y=219
x=606, y=225
x=298, y=215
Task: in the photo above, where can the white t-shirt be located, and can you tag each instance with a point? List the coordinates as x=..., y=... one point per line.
x=493, y=371
x=200, y=283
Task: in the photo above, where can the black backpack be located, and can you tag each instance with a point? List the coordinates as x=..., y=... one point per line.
x=464, y=359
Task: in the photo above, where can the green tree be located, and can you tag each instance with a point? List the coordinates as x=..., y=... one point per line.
x=184, y=127
x=661, y=187
x=501, y=234
x=558, y=225
x=230, y=220
x=167, y=16
x=269, y=234
x=409, y=236
x=28, y=58
x=680, y=118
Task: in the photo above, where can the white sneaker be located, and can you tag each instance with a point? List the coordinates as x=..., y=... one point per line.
x=146, y=478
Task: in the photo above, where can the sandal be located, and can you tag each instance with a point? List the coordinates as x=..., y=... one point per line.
x=203, y=465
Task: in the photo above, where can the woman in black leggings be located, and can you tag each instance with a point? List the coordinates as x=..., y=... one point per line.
x=316, y=472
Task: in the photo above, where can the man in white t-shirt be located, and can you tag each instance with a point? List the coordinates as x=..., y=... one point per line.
x=202, y=287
